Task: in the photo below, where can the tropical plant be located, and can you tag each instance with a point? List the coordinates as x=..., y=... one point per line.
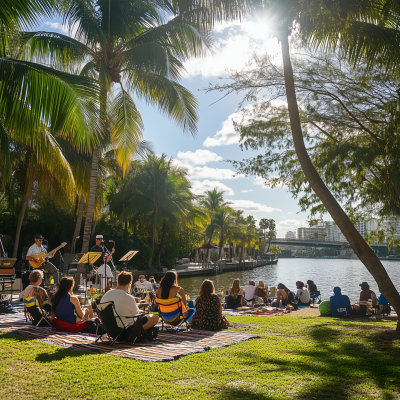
x=222, y=220
x=133, y=46
x=342, y=20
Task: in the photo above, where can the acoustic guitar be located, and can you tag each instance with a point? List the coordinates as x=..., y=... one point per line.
x=41, y=258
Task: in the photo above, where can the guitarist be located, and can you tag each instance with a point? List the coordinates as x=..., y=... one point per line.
x=37, y=249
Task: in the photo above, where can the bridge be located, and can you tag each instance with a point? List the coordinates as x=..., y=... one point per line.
x=323, y=243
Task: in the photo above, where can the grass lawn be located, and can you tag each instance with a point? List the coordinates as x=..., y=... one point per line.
x=295, y=357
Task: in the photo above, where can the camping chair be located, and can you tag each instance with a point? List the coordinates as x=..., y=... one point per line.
x=108, y=317
x=314, y=296
x=172, y=312
x=33, y=312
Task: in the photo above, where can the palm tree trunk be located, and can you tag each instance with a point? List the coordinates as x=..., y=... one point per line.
x=158, y=258
x=221, y=243
x=78, y=224
x=269, y=241
x=92, y=198
x=93, y=230
x=25, y=199
x=94, y=173
x=153, y=228
x=361, y=249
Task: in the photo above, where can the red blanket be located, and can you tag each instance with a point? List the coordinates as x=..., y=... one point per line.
x=67, y=326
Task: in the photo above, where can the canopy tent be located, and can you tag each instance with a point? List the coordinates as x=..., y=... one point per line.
x=207, y=246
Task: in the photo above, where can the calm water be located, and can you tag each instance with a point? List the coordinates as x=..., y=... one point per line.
x=326, y=273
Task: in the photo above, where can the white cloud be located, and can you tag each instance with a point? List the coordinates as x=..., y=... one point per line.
x=249, y=205
x=246, y=191
x=57, y=26
x=199, y=157
x=227, y=134
x=289, y=212
x=233, y=48
x=199, y=187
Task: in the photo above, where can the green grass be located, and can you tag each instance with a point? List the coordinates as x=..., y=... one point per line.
x=295, y=357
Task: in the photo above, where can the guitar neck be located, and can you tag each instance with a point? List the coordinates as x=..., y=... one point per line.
x=57, y=248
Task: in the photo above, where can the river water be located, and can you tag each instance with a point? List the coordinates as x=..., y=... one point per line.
x=326, y=273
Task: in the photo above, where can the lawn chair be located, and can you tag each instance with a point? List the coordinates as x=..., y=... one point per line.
x=108, y=317
x=314, y=296
x=172, y=312
x=33, y=312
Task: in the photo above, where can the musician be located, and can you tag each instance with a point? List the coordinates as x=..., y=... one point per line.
x=37, y=249
x=103, y=269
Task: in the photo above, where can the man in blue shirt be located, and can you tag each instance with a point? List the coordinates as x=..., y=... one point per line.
x=340, y=303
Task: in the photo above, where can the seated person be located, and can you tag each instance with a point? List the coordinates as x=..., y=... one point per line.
x=34, y=297
x=169, y=289
x=153, y=283
x=284, y=297
x=340, y=303
x=66, y=306
x=261, y=290
x=125, y=304
x=303, y=295
x=208, y=316
x=312, y=287
x=235, y=296
x=250, y=288
x=142, y=284
x=367, y=294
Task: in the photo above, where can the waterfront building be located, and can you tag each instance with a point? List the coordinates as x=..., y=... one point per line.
x=290, y=235
x=311, y=233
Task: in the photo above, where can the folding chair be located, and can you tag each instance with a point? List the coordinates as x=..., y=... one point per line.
x=34, y=313
x=172, y=312
x=314, y=296
x=108, y=317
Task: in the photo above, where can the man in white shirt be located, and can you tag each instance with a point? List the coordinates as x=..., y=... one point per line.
x=125, y=304
x=142, y=284
x=302, y=293
x=37, y=249
x=103, y=270
x=250, y=288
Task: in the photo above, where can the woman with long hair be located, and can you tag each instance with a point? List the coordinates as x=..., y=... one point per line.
x=169, y=289
x=208, y=316
x=235, y=296
x=66, y=306
x=261, y=290
x=284, y=297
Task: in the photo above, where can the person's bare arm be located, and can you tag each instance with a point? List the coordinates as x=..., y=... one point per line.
x=79, y=312
x=110, y=255
x=182, y=294
x=220, y=307
x=278, y=298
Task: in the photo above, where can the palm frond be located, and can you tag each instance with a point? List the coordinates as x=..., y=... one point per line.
x=5, y=162
x=54, y=49
x=126, y=127
x=171, y=98
x=54, y=98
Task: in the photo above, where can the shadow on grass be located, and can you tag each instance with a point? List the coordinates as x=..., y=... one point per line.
x=58, y=354
x=341, y=369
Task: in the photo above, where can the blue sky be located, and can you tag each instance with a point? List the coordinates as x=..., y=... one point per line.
x=205, y=154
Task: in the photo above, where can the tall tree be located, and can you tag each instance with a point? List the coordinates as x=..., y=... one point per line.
x=137, y=48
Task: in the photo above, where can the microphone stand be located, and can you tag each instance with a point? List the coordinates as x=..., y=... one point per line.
x=4, y=253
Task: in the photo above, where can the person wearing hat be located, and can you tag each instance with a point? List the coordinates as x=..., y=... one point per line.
x=101, y=263
x=37, y=249
x=340, y=303
x=367, y=294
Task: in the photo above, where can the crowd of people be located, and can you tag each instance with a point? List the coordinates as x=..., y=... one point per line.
x=204, y=313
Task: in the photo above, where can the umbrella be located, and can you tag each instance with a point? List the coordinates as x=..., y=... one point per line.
x=207, y=246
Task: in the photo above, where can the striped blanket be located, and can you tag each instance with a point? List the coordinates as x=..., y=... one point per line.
x=167, y=347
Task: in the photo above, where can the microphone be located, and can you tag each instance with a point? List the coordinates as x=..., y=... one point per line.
x=111, y=241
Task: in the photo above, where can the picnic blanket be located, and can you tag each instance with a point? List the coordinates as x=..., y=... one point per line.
x=167, y=347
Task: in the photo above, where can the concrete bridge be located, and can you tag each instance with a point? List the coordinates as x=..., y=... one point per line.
x=323, y=243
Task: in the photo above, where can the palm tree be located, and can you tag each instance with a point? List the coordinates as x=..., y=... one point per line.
x=210, y=202
x=160, y=190
x=131, y=48
x=223, y=220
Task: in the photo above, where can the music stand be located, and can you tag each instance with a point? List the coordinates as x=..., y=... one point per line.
x=88, y=258
x=125, y=259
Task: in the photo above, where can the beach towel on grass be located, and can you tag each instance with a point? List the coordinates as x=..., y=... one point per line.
x=167, y=347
